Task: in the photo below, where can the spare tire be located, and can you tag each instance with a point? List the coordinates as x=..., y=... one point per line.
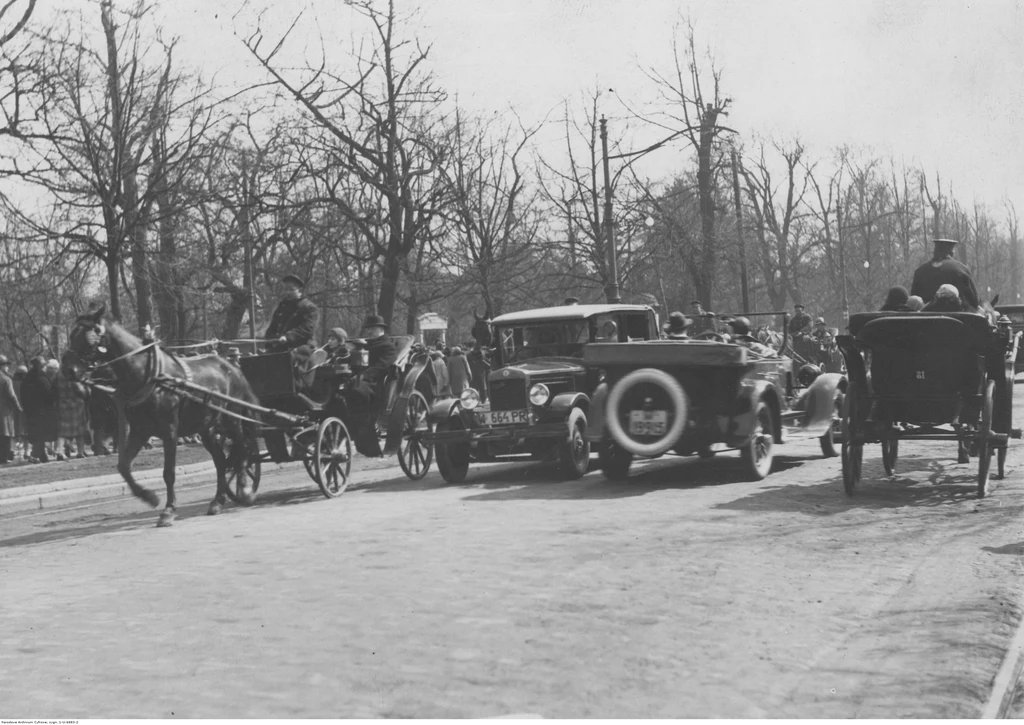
x=652, y=390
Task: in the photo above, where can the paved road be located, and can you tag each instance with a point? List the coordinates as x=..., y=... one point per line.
x=685, y=592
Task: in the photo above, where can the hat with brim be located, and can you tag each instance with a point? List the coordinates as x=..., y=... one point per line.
x=677, y=322
x=292, y=279
x=947, y=242
x=374, y=321
x=798, y=306
x=739, y=325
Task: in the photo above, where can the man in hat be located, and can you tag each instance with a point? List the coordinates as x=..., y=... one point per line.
x=677, y=325
x=233, y=356
x=9, y=408
x=943, y=269
x=364, y=387
x=293, y=323
x=740, y=328
x=703, y=321
x=821, y=332
x=800, y=323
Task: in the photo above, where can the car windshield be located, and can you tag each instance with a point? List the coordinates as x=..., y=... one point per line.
x=559, y=338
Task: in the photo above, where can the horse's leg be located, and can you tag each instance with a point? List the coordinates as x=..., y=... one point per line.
x=128, y=447
x=213, y=445
x=170, y=511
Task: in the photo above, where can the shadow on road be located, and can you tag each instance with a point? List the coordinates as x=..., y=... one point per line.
x=540, y=481
x=875, y=491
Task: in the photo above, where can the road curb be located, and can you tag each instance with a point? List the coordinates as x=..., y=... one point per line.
x=40, y=496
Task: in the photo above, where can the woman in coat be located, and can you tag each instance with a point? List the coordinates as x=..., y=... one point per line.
x=459, y=374
x=39, y=402
x=20, y=431
x=9, y=408
x=72, y=423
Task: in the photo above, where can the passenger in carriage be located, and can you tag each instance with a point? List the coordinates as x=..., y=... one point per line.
x=896, y=299
x=293, y=323
x=943, y=269
x=364, y=387
x=338, y=354
x=821, y=332
x=947, y=299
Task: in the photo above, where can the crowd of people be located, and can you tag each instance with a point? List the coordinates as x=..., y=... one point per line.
x=44, y=415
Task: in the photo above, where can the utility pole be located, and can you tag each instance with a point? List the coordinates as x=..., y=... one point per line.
x=251, y=283
x=842, y=259
x=612, y=290
x=744, y=290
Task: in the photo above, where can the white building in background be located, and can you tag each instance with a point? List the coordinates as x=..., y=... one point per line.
x=431, y=328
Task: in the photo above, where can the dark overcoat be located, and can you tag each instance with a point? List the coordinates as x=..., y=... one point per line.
x=932, y=275
x=294, y=320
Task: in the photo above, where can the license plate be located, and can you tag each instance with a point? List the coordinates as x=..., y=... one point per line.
x=648, y=422
x=503, y=417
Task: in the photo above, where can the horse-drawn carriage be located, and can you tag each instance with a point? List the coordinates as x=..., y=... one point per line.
x=312, y=417
x=927, y=376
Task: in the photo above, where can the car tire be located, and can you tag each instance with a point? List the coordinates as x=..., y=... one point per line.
x=452, y=458
x=678, y=400
x=574, y=452
x=758, y=453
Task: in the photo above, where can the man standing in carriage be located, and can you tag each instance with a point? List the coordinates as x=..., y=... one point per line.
x=943, y=269
x=800, y=323
x=293, y=323
x=364, y=388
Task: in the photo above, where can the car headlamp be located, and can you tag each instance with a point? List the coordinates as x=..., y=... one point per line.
x=469, y=398
x=539, y=394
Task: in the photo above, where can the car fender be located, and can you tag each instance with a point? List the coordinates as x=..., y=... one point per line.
x=442, y=409
x=595, y=417
x=819, y=402
x=750, y=394
x=564, y=402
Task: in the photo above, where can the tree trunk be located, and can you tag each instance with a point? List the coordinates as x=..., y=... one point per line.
x=391, y=272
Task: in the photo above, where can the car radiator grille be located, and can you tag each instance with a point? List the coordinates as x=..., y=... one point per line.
x=508, y=394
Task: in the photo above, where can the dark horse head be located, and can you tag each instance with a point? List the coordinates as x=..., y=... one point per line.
x=158, y=395
x=481, y=330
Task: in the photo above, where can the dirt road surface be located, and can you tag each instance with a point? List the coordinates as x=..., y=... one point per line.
x=685, y=592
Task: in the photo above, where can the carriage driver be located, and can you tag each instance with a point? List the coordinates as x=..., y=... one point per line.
x=293, y=323
x=943, y=269
x=800, y=323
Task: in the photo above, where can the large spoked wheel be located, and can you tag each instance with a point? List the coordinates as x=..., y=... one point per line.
x=852, y=452
x=306, y=442
x=452, y=458
x=1002, y=419
x=759, y=451
x=414, y=456
x=574, y=453
x=834, y=434
x=614, y=460
x=333, y=457
x=890, y=452
x=984, y=444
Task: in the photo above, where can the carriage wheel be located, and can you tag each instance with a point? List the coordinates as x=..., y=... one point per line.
x=415, y=456
x=984, y=444
x=307, y=441
x=835, y=429
x=250, y=474
x=890, y=452
x=852, y=453
x=452, y=458
x=614, y=460
x=757, y=453
x=333, y=457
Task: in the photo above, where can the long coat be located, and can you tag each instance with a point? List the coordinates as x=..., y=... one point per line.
x=294, y=320
x=71, y=397
x=9, y=407
x=459, y=374
x=40, y=403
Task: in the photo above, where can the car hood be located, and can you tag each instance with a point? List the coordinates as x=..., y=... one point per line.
x=539, y=366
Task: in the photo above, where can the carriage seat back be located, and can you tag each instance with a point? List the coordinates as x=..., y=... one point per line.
x=270, y=375
x=923, y=364
x=403, y=343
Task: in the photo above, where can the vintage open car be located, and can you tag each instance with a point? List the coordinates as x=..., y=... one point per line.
x=694, y=396
x=931, y=376
x=539, y=388
x=1015, y=314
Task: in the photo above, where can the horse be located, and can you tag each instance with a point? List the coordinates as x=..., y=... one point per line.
x=149, y=409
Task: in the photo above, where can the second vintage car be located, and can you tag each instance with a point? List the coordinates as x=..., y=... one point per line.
x=693, y=396
x=539, y=389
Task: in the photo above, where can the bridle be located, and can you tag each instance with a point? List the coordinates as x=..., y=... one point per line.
x=97, y=358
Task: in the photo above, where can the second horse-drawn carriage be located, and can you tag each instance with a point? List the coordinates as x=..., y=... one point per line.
x=930, y=376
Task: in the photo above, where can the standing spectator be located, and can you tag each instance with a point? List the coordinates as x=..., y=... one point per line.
x=20, y=439
x=703, y=321
x=459, y=373
x=40, y=411
x=9, y=407
x=72, y=423
x=442, y=387
x=52, y=370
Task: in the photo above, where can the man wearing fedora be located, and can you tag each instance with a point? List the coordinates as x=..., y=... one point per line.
x=9, y=407
x=943, y=269
x=800, y=323
x=677, y=326
x=293, y=323
x=365, y=386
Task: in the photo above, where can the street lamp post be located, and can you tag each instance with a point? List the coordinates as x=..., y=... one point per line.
x=612, y=289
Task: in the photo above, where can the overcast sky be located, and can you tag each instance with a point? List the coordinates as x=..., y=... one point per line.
x=930, y=82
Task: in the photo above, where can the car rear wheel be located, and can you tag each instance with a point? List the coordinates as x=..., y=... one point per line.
x=759, y=451
x=574, y=453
